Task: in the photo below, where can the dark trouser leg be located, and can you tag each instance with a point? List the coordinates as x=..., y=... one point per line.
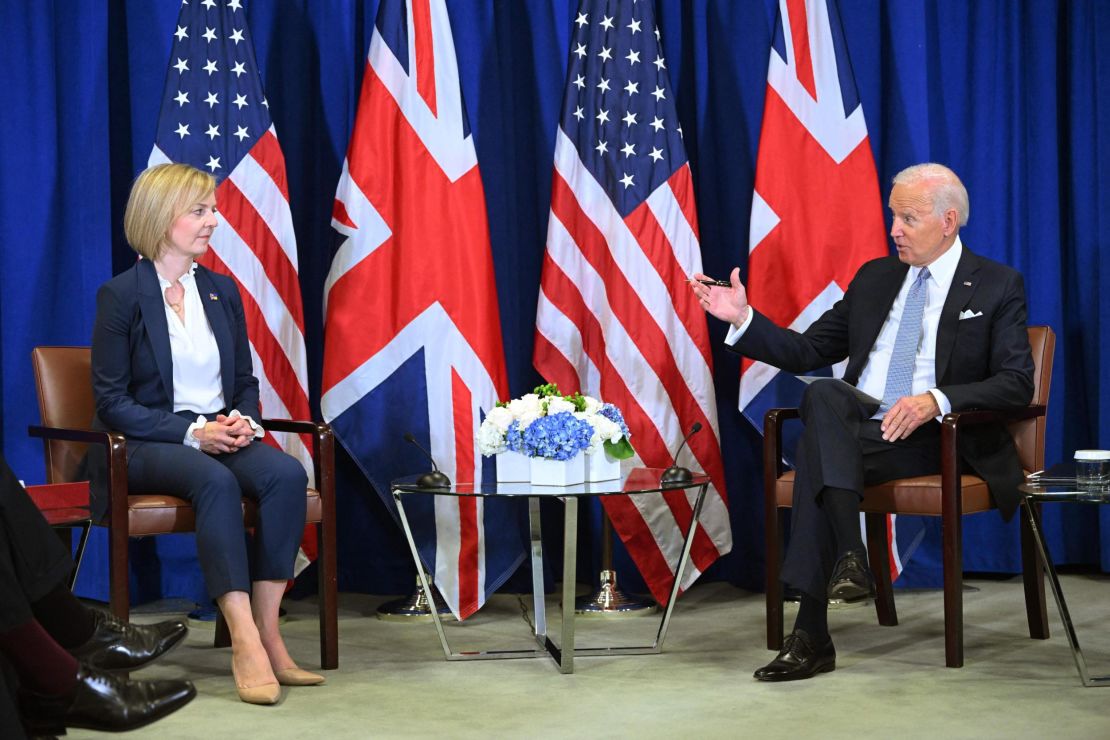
x=210, y=487
x=215, y=485
x=277, y=482
x=829, y=455
x=841, y=448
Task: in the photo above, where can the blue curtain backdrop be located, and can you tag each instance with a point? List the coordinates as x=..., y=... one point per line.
x=1013, y=95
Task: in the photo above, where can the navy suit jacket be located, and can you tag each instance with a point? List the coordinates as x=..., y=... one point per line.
x=983, y=362
x=132, y=367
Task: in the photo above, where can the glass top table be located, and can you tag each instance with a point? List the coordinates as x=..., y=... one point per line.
x=1061, y=488
x=633, y=482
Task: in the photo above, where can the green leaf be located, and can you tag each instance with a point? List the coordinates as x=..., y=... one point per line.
x=621, y=450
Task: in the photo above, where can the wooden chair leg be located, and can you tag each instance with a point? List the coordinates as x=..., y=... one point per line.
x=119, y=589
x=774, y=537
x=953, y=590
x=328, y=596
x=1032, y=573
x=879, y=560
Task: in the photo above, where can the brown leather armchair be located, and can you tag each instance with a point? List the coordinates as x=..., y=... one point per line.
x=949, y=495
x=63, y=378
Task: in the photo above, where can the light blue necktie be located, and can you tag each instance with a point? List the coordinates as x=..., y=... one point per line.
x=899, y=376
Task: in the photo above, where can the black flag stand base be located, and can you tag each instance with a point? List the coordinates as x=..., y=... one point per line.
x=608, y=600
x=413, y=608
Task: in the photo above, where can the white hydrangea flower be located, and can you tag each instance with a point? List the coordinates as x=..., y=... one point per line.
x=501, y=417
x=526, y=409
x=491, y=437
x=592, y=405
x=604, y=430
x=558, y=405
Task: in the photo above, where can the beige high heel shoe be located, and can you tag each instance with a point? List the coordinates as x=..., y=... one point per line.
x=267, y=693
x=298, y=677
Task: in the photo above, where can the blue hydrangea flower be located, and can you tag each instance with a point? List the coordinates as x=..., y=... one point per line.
x=559, y=436
x=514, y=438
x=613, y=414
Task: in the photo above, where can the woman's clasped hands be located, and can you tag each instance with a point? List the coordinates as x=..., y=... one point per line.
x=225, y=434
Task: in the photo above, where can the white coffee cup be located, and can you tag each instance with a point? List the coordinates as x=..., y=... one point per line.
x=1092, y=467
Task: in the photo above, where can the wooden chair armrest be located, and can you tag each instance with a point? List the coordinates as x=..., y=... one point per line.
x=323, y=454
x=115, y=455
x=957, y=419
x=293, y=425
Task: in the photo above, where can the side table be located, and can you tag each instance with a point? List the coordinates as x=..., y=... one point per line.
x=1054, y=490
x=635, y=482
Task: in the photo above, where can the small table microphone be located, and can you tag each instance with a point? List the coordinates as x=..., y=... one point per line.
x=677, y=474
x=434, y=478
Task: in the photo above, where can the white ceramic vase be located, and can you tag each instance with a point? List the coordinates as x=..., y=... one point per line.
x=558, y=472
x=601, y=466
x=513, y=467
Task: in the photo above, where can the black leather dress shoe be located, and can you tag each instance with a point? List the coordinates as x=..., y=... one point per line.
x=116, y=645
x=799, y=658
x=103, y=702
x=851, y=580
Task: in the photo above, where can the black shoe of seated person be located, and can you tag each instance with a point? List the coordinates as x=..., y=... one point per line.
x=103, y=701
x=800, y=658
x=851, y=579
x=117, y=645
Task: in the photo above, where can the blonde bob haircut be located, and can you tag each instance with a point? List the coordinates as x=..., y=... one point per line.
x=162, y=194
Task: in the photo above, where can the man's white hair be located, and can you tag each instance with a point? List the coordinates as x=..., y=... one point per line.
x=947, y=190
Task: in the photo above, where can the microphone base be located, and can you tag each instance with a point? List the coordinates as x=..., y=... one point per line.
x=433, y=479
x=675, y=475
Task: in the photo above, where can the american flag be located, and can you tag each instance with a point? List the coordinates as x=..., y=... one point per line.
x=215, y=117
x=412, y=331
x=816, y=212
x=616, y=318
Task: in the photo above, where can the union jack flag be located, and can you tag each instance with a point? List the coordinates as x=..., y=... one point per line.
x=412, y=331
x=816, y=212
x=215, y=116
x=616, y=318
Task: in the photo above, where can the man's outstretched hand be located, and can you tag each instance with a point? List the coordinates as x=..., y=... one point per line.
x=727, y=304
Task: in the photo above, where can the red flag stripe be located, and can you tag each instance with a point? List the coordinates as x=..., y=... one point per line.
x=658, y=247
x=267, y=152
x=252, y=228
x=799, y=33
x=462, y=401
x=425, y=52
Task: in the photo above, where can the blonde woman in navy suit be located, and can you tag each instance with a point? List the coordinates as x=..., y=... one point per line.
x=172, y=371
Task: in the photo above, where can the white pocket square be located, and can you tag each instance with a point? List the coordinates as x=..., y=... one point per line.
x=969, y=314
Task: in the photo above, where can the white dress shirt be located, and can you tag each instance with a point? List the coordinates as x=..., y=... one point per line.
x=197, y=384
x=872, y=379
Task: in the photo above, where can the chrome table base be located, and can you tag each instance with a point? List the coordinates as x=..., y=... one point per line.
x=610, y=601
x=415, y=607
x=1058, y=594
x=564, y=651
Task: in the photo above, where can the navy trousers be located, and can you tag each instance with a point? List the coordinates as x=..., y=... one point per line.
x=842, y=447
x=33, y=561
x=215, y=485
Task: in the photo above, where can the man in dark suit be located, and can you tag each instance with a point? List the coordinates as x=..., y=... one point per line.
x=62, y=652
x=931, y=330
